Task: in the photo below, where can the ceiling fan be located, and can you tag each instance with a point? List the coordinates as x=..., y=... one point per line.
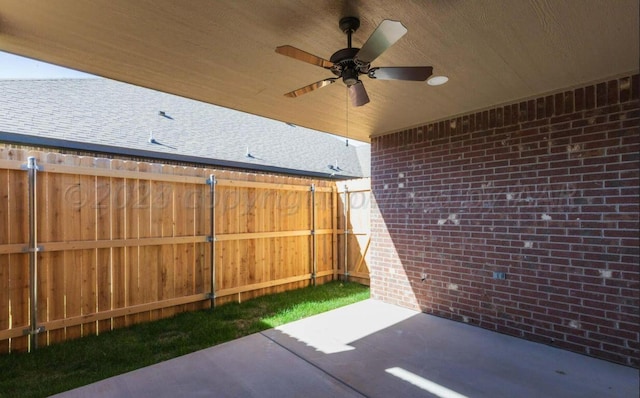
x=349, y=63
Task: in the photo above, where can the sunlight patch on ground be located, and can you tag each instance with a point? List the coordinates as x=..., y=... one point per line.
x=329, y=333
x=421, y=382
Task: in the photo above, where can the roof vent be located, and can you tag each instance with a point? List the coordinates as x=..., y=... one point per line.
x=248, y=154
x=151, y=139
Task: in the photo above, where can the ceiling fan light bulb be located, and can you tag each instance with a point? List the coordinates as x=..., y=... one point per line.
x=437, y=80
x=350, y=76
x=350, y=81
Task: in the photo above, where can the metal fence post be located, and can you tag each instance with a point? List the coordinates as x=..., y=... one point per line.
x=346, y=233
x=33, y=330
x=335, y=224
x=212, y=239
x=314, y=257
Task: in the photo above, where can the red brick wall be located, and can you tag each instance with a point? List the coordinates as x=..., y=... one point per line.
x=544, y=191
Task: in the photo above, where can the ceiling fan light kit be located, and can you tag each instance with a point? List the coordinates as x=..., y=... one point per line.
x=437, y=80
x=349, y=63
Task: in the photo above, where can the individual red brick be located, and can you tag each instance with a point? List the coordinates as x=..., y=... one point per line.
x=447, y=129
x=515, y=114
x=590, y=97
x=500, y=122
x=578, y=95
x=540, y=108
x=531, y=110
x=613, y=92
x=635, y=87
x=601, y=94
x=559, y=104
x=568, y=102
x=491, y=119
x=610, y=356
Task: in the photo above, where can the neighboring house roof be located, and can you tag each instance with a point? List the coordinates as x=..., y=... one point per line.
x=101, y=115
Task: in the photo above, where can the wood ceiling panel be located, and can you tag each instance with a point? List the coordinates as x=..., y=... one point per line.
x=222, y=52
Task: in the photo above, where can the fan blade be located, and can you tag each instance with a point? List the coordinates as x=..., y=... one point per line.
x=385, y=35
x=414, y=73
x=358, y=94
x=310, y=87
x=303, y=56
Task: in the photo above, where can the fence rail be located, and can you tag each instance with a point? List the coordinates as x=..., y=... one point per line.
x=89, y=244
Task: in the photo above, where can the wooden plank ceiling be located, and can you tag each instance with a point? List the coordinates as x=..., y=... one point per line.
x=222, y=52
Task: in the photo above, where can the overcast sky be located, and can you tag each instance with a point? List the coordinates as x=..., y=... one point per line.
x=15, y=67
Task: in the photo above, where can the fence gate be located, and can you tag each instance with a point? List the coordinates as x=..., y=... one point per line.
x=354, y=229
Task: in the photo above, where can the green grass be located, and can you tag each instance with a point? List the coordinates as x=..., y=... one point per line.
x=79, y=362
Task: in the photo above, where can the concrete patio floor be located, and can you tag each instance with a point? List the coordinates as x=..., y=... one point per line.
x=374, y=349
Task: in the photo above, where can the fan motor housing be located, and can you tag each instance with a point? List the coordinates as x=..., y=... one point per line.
x=344, y=56
x=345, y=66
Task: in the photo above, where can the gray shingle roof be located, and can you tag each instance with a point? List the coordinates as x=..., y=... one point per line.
x=118, y=115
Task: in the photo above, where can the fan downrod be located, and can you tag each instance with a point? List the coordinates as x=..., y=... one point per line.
x=343, y=60
x=349, y=25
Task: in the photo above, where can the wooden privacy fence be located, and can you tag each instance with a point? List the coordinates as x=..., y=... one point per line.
x=88, y=244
